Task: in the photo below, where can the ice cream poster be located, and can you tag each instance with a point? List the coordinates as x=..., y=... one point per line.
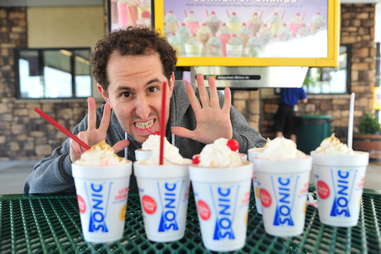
x=247, y=28
x=124, y=13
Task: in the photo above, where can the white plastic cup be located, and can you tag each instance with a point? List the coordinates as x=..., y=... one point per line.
x=252, y=155
x=141, y=154
x=222, y=197
x=163, y=191
x=234, y=50
x=283, y=192
x=102, y=193
x=339, y=181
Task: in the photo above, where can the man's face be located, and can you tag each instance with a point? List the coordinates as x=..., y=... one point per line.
x=134, y=92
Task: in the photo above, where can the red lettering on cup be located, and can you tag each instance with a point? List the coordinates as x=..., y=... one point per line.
x=246, y=198
x=304, y=189
x=122, y=194
x=81, y=204
x=149, y=204
x=323, y=189
x=361, y=183
x=265, y=198
x=203, y=210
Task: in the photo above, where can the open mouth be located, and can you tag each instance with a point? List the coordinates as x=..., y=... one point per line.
x=145, y=125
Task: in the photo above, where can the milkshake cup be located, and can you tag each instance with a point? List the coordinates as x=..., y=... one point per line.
x=193, y=47
x=252, y=154
x=222, y=193
x=234, y=47
x=163, y=191
x=192, y=22
x=122, y=8
x=222, y=198
x=142, y=154
x=102, y=192
x=283, y=187
x=339, y=180
x=224, y=35
x=282, y=175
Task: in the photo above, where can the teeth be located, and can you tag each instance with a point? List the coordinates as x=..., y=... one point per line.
x=144, y=125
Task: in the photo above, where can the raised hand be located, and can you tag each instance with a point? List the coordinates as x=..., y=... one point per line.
x=93, y=135
x=212, y=121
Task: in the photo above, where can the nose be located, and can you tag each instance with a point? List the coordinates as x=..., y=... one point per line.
x=142, y=107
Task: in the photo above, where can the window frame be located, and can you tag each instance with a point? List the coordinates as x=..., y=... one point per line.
x=40, y=52
x=348, y=73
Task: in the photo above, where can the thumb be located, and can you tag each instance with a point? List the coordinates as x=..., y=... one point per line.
x=120, y=145
x=183, y=132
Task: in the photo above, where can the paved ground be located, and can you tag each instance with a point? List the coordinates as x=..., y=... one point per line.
x=14, y=173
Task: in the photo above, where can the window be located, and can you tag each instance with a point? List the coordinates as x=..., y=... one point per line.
x=53, y=73
x=330, y=80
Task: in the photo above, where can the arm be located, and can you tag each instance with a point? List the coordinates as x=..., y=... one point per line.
x=53, y=173
x=302, y=95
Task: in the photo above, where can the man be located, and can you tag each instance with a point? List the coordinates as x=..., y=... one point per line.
x=284, y=117
x=130, y=67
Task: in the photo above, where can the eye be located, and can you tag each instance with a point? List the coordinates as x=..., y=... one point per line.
x=126, y=94
x=153, y=89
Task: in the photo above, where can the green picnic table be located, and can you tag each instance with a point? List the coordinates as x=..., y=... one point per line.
x=51, y=224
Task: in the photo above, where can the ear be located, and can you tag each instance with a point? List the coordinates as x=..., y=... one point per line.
x=171, y=85
x=103, y=92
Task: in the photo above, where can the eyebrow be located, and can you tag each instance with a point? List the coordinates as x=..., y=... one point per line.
x=152, y=81
x=124, y=88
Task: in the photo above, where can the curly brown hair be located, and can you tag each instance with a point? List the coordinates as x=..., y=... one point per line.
x=131, y=41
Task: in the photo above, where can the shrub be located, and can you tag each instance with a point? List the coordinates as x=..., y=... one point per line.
x=369, y=124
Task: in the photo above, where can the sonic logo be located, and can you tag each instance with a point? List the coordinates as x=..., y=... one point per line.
x=342, y=180
x=224, y=213
x=98, y=194
x=283, y=210
x=168, y=220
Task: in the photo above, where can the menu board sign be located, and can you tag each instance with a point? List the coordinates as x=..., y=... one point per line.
x=251, y=32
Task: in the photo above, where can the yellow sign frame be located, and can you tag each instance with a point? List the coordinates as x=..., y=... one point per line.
x=330, y=61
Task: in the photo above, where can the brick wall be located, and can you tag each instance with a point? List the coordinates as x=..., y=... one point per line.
x=357, y=29
x=23, y=134
x=248, y=103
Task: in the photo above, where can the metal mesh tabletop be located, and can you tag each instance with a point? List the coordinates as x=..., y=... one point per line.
x=51, y=224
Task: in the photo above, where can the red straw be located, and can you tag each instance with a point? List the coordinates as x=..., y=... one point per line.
x=162, y=123
x=61, y=128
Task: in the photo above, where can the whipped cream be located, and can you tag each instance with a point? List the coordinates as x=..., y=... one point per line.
x=171, y=153
x=333, y=145
x=259, y=149
x=219, y=154
x=100, y=154
x=280, y=149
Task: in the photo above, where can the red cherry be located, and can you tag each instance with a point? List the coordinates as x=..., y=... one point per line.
x=233, y=145
x=157, y=133
x=196, y=159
